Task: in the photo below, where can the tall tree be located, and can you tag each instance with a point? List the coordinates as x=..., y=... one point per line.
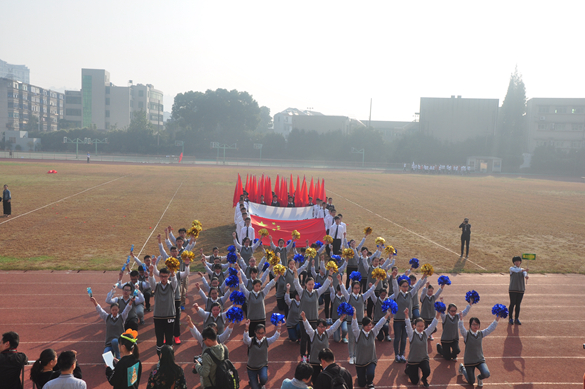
x=511, y=134
x=265, y=123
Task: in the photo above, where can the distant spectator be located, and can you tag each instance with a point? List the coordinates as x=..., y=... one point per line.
x=167, y=374
x=46, y=369
x=68, y=362
x=303, y=374
x=11, y=361
x=7, y=201
x=331, y=371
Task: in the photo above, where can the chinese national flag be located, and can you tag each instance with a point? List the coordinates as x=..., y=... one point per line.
x=180, y=157
x=311, y=229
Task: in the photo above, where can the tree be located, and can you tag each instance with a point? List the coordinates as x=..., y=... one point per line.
x=511, y=134
x=265, y=123
x=33, y=123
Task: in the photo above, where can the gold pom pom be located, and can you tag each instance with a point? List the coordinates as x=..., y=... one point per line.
x=328, y=239
x=389, y=250
x=278, y=269
x=347, y=253
x=311, y=252
x=296, y=235
x=332, y=266
x=379, y=274
x=271, y=258
x=263, y=232
x=197, y=224
x=172, y=264
x=427, y=269
x=194, y=232
x=368, y=230
x=188, y=254
x=380, y=241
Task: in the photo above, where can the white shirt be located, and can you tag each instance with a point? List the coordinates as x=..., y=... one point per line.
x=251, y=233
x=340, y=231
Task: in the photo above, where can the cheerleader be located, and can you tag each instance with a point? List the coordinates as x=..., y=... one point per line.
x=352, y=263
x=258, y=354
x=293, y=325
x=358, y=301
x=214, y=316
x=256, y=312
x=246, y=249
x=287, y=278
x=199, y=338
x=449, y=347
x=473, y=357
x=319, y=340
x=379, y=314
x=418, y=356
x=337, y=298
x=365, y=345
x=114, y=324
x=212, y=297
x=517, y=287
x=427, y=302
x=281, y=249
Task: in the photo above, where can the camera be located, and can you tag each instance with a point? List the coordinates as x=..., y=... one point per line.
x=196, y=359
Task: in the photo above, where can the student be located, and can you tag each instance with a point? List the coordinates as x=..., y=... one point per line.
x=415, y=301
x=127, y=371
x=403, y=297
x=337, y=232
x=114, y=324
x=164, y=308
x=221, y=338
x=287, y=278
x=256, y=313
x=427, y=300
x=364, y=262
x=340, y=335
x=215, y=316
x=166, y=373
x=517, y=287
x=275, y=202
x=12, y=362
x=365, y=345
x=309, y=305
x=144, y=287
x=258, y=354
x=384, y=334
x=352, y=263
x=375, y=264
x=45, y=368
x=303, y=374
x=293, y=319
x=449, y=346
x=418, y=357
x=127, y=298
x=246, y=249
x=358, y=301
x=319, y=340
x=281, y=250
x=212, y=297
x=473, y=357
x=247, y=231
x=320, y=278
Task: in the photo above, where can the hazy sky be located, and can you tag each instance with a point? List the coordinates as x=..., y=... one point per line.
x=332, y=56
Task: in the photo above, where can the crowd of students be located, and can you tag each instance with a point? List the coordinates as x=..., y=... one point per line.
x=308, y=292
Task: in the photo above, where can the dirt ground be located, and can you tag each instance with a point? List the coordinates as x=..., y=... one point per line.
x=87, y=216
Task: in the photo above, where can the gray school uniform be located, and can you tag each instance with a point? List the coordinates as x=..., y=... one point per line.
x=418, y=349
x=365, y=349
x=114, y=328
x=283, y=255
x=164, y=307
x=517, y=282
x=310, y=304
x=246, y=253
x=218, y=321
x=294, y=314
x=415, y=303
x=318, y=343
x=450, y=325
x=256, y=307
x=427, y=311
x=209, y=302
x=404, y=301
x=378, y=313
x=473, y=355
x=335, y=303
x=321, y=279
x=132, y=314
x=287, y=278
x=358, y=305
x=258, y=354
x=250, y=284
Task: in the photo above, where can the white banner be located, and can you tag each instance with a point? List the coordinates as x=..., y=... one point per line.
x=280, y=213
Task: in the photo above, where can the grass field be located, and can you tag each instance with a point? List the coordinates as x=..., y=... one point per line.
x=106, y=208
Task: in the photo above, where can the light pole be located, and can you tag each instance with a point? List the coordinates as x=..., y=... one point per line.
x=77, y=141
x=217, y=145
x=258, y=146
x=362, y=152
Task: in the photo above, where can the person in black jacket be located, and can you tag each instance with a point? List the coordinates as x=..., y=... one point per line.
x=46, y=368
x=11, y=361
x=465, y=236
x=127, y=371
x=330, y=371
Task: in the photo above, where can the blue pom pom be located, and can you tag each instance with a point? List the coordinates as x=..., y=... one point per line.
x=440, y=307
x=144, y=267
x=345, y=309
x=288, y=242
x=232, y=257
x=299, y=258
x=233, y=271
x=390, y=304
x=231, y=249
x=319, y=243
x=232, y=281
x=265, y=266
x=395, y=251
x=276, y=317
x=472, y=297
x=444, y=280
x=237, y=297
x=256, y=240
x=336, y=258
x=403, y=277
x=355, y=276
x=414, y=263
x=500, y=310
x=317, y=285
x=235, y=314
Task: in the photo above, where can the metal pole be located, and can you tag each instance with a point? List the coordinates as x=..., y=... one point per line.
x=370, y=119
x=77, y=149
x=95, y=142
x=260, y=155
x=363, y=156
x=224, y=155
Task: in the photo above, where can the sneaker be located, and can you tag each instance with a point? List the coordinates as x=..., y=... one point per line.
x=511, y=321
x=467, y=256
x=351, y=360
x=461, y=367
x=304, y=358
x=345, y=341
x=177, y=340
x=479, y=381
x=397, y=359
x=389, y=339
x=148, y=309
x=402, y=359
x=454, y=359
x=182, y=307
x=440, y=348
x=425, y=383
x=432, y=337
x=141, y=321
x=517, y=322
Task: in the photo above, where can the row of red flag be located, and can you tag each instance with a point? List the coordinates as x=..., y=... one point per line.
x=255, y=187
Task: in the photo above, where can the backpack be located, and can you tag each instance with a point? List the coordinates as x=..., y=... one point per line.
x=337, y=381
x=226, y=375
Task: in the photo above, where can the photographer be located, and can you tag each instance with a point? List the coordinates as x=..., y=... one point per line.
x=465, y=236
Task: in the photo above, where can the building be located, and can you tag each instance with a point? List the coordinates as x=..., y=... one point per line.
x=291, y=118
x=485, y=164
x=456, y=119
x=558, y=122
x=392, y=130
x=19, y=140
x=28, y=107
x=105, y=105
x=14, y=72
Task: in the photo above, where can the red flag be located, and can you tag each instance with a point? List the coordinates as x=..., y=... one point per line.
x=255, y=190
x=268, y=191
x=247, y=184
x=317, y=190
x=238, y=190
x=277, y=189
x=283, y=193
x=180, y=157
x=323, y=194
x=304, y=195
x=312, y=190
x=298, y=200
x=291, y=186
x=311, y=229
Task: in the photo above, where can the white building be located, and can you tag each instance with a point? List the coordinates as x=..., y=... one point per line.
x=14, y=72
x=19, y=140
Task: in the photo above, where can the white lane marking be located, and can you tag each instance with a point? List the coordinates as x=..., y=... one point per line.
x=412, y=232
x=63, y=199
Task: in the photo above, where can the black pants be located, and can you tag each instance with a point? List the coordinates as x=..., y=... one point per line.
x=305, y=340
x=370, y=306
x=364, y=284
x=336, y=246
x=132, y=324
x=317, y=369
x=147, y=296
x=253, y=325
x=326, y=300
x=281, y=305
x=163, y=329
x=450, y=350
x=412, y=371
x=515, y=301
x=384, y=332
x=465, y=242
x=7, y=207
x=350, y=269
x=177, y=327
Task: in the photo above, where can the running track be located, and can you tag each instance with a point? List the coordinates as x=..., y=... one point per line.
x=52, y=309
